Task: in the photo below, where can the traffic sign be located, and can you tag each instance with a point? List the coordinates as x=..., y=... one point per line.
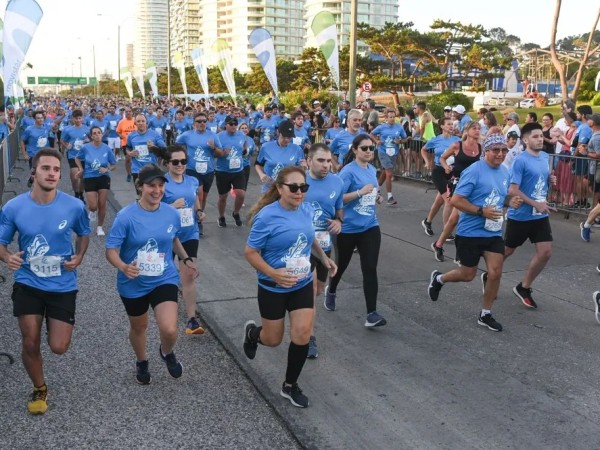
x=366, y=86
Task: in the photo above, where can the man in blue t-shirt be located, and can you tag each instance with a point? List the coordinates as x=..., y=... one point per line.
x=140, y=146
x=158, y=123
x=112, y=138
x=34, y=138
x=529, y=180
x=340, y=146
x=72, y=139
x=301, y=138
x=45, y=286
x=265, y=128
x=481, y=194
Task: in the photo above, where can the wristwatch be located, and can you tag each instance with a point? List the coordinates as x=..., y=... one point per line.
x=480, y=211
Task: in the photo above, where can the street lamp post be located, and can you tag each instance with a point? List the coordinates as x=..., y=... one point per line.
x=95, y=79
x=169, y=49
x=119, y=59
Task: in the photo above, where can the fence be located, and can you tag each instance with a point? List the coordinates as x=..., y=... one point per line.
x=10, y=153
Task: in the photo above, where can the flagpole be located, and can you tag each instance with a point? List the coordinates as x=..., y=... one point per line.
x=169, y=49
x=352, y=69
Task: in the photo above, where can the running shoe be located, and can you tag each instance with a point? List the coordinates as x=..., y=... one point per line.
x=142, y=374
x=174, y=367
x=374, y=319
x=450, y=238
x=427, y=227
x=596, y=297
x=39, y=400
x=483, y=281
x=193, y=327
x=329, y=302
x=391, y=201
x=438, y=252
x=313, y=352
x=237, y=218
x=100, y=231
x=525, y=295
x=294, y=394
x=129, y=178
x=434, y=286
x=488, y=321
x=93, y=216
x=586, y=233
x=249, y=344
x=221, y=223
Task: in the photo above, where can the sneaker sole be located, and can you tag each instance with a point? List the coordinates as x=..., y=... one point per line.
x=289, y=397
x=435, y=256
x=425, y=228
x=522, y=299
x=325, y=301
x=141, y=383
x=596, y=305
x=379, y=323
x=198, y=330
x=483, y=324
x=37, y=412
x=248, y=322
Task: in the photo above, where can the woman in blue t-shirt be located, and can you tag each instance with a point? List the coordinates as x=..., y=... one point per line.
x=279, y=247
x=360, y=228
x=245, y=128
x=141, y=244
x=181, y=192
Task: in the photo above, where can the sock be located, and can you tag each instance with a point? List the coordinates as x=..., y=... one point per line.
x=587, y=225
x=439, y=279
x=254, y=334
x=40, y=388
x=486, y=311
x=296, y=359
x=389, y=195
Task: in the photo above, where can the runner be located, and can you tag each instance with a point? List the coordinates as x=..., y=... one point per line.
x=360, y=228
x=342, y=143
x=529, y=180
x=112, y=138
x=266, y=127
x=73, y=137
x=480, y=196
x=181, y=192
x=251, y=146
x=124, y=128
x=142, y=146
x=34, y=138
x=98, y=161
x=45, y=277
x=279, y=246
x=141, y=244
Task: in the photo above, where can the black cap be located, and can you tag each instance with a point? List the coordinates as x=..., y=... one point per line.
x=286, y=129
x=513, y=135
x=231, y=120
x=150, y=173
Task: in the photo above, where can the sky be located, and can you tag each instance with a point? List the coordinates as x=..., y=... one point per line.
x=72, y=28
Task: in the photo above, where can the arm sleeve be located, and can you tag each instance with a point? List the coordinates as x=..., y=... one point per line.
x=259, y=233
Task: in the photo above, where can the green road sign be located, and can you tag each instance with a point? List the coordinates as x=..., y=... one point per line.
x=30, y=80
x=62, y=80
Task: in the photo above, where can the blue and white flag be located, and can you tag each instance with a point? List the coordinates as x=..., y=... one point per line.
x=20, y=23
x=127, y=78
x=201, y=69
x=223, y=53
x=139, y=78
x=152, y=77
x=261, y=42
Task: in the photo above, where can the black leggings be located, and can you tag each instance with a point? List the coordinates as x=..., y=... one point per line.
x=368, y=243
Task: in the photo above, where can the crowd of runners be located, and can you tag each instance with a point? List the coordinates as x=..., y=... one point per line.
x=317, y=209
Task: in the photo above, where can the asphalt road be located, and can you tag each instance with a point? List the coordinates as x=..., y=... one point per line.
x=431, y=378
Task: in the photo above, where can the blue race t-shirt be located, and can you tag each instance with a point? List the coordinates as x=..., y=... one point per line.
x=530, y=173
x=341, y=144
x=187, y=190
x=482, y=185
x=284, y=238
x=113, y=121
x=387, y=134
x=300, y=137
x=231, y=163
x=158, y=125
x=180, y=127
x=93, y=158
x=332, y=133
x=267, y=128
x=200, y=155
x=138, y=141
x=145, y=237
x=76, y=136
x=463, y=122
x=45, y=235
x=35, y=138
x=326, y=197
x=251, y=149
x=273, y=158
x=103, y=125
x=439, y=145
x=359, y=214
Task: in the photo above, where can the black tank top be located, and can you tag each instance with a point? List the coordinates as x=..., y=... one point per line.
x=462, y=160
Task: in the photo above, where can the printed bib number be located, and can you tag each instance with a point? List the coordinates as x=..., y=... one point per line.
x=45, y=266
x=535, y=211
x=324, y=239
x=158, y=130
x=390, y=151
x=493, y=225
x=369, y=199
x=187, y=217
x=201, y=167
x=235, y=163
x=78, y=144
x=41, y=142
x=142, y=151
x=151, y=264
x=168, y=128
x=267, y=138
x=213, y=129
x=299, y=266
x=297, y=140
x=113, y=124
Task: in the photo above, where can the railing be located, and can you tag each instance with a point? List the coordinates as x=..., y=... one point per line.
x=10, y=153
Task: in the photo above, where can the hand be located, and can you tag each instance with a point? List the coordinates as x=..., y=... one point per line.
x=448, y=169
x=515, y=202
x=492, y=213
x=179, y=203
x=335, y=226
x=200, y=215
x=367, y=189
x=15, y=261
x=553, y=180
x=150, y=143
x=541, y=207
x=26, y=157
x=211, y=143
x=283, y=278
x=191, y=266
x=134, y=153
x=266, y=179
x=79, y=173
x=427, y=165
x=69, y=146
x=330, y=265
x=131, y=271
x=73, y=263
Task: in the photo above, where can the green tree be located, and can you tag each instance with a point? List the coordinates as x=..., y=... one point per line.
x=256, y=80
x=312, y=71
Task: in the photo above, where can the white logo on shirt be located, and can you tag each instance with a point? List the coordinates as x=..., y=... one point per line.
x=39, y=247
x=292, y=158
x=62, y=225
x=170, y=228
x=332, y=194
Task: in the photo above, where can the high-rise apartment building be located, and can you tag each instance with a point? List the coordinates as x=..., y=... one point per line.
x=374, y=12
x=150, y=33
x=185, y=27
x=129, y=59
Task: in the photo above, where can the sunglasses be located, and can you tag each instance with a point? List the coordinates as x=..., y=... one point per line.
x=295, y=187
x=495, y=151
x=232, y=123
x=200, y=121
x=367, y=148
x=176, y=162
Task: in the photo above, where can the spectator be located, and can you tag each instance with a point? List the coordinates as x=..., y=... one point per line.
x=531, y=117
x=512, y=120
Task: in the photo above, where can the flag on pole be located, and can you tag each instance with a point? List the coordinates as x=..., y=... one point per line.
x=152, y=77
x=324, y=29
x=127, y=78
x=179, y=63
x=261, y=42
x=201, y=69
x=139, y=78
x=223, y=53
x=20, y=22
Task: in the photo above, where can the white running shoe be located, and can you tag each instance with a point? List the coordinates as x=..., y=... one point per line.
x=92, y=215
x=100, y=231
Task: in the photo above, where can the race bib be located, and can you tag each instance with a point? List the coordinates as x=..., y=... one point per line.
x=324, y=239
x=369, y=199
x=41, y=142
x=535, y=211
x=235, y=163
x=213, y=129
x=77, y=144
x=297, y=141
x=158, y=130
x=113, y=124
x=45, y=266
x=390, y=151
x=142, y=150
x=493, y=225
x=187, y=217
x=151, y=264
x=202, y=167
x=168, y=127
x=267, y=138
x=299, y=266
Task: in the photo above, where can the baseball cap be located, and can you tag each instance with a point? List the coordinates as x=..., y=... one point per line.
x=151, y=173
x=512, y=135
x=231, y=120
x=460, y=109
x=286, y=129
x=316, y=102
x=447, y=108
x=494, y=140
